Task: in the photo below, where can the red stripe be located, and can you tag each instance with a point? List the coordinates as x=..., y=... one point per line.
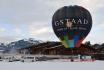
x=79, y=42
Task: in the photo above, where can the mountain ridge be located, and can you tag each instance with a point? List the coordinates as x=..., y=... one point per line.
x=20, y=44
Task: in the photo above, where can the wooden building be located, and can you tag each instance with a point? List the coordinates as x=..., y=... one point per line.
x=56, y=48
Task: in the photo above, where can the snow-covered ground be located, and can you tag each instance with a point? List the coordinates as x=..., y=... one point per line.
x=48, y=65
x=56, y=64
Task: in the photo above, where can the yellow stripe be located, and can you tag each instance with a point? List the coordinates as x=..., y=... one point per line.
x=66, y=40
x=64, y=43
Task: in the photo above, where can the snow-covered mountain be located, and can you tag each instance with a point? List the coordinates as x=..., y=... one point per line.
x=20, y=44
x=3, y=46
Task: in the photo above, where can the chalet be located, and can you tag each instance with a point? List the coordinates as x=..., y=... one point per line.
x=56, y=48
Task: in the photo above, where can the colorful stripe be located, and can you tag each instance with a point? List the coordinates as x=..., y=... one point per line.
x=76, y=37
x=63, y=42
x=72, y=42
x=66, y=40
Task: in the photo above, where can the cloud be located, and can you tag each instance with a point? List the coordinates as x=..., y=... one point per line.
x=2, y=30
x=18, y=12
x=36, y=29
x=32, y=18
x=7, y=39
x=23, y=12
x=96, y=34
x=17, y=31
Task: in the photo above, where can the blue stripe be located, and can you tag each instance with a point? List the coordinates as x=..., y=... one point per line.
x=76, y=37
x=71, y=43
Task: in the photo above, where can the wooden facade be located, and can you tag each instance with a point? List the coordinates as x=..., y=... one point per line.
x=56, y=48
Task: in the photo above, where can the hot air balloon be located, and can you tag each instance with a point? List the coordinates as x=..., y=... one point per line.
x=72, y=24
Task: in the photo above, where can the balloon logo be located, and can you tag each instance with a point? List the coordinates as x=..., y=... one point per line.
x=71, y=25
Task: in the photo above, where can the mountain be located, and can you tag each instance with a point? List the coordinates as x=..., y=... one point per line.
x=3, y=46
x=23, y=43
x=20, y=44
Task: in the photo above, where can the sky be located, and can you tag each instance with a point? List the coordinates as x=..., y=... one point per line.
x=21, y=19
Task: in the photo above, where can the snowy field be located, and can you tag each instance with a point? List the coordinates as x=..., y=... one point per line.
x=48, y=65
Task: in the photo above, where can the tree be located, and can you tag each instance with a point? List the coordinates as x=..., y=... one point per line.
x=88, y=43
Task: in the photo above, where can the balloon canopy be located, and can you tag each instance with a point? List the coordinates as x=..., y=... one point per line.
x=71, y=25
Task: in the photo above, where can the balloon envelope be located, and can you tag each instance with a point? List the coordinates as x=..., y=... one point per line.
x=71, y=25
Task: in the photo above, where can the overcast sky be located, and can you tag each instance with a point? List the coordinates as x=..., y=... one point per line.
x=32, y=19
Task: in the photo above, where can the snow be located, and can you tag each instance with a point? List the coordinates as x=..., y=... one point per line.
x=48, y=65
